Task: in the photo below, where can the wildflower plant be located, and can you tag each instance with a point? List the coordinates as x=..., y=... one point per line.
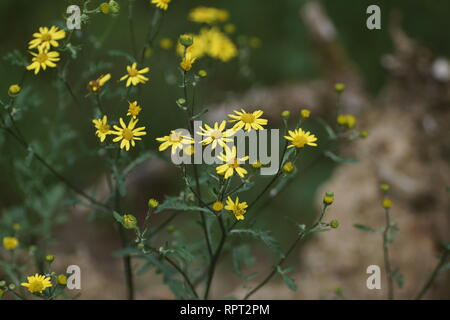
x=226, y=199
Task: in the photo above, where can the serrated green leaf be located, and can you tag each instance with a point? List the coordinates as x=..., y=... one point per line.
x=263, y=236
x=118, y=217
x=175, y=203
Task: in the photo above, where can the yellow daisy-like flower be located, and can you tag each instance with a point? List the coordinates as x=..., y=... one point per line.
x=208, y=15
x=96, y=85
x=134, y=75
x=300, y=138
x=37, y=283
x=161, y=4
x=232, y=164
x=216, y=134
x=217, y=206
x=237, y=208
x=46, y=38
x=128, y=134
x=103, y=128
x=187, y=62
x=43, y=59
x=133, y=109
x=175, y=140
x=10, y=243
x=248, y=120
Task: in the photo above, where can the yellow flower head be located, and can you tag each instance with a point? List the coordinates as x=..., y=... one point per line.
x=175, y=140
x=153, y=203
x=135, y=76
x=258, y=164
x=288, y=167
x=208, y=15
x=216, y=134
x=103, y=128
x=133, y=109
x=248, y=120
x=128, y=134
x=43, y=59
x=237, y=208
x=62, y=279
x=10, y=243
x=161, y=4
x=219, y=45
x=187, y=62
x=37, y=283
x=305, y=113
x=232, y=164
x=300, y=138
x=217, y=206
x=166, y=43
x=387, y=203
x=129, y=221
x=96, y=85
x=14, y=90
x=347, y=120
x=328, y=199
x=46, y=38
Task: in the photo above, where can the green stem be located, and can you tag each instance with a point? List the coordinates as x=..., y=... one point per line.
x=433, y=275
x=387, y=262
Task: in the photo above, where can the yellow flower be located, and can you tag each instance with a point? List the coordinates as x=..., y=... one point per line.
x=288, y=167
x=208, y=15
x=166, y=43
x=10, y=243
x=305, y=113
x=47, y=37
x=14, y=90
x=161, y=4
x=232, y=163
x=220, y=46
x=128, y=134
x=300, y=138
x=258, y=164
x=103, y=128
x=96, y=85
x=248, y=120
x=387, y=203
x=347, y=120
x=237, y=208
x=134, y=75
x=175, y=140
x=217, y=206
x=43, y=59
x=339, y=87
x=216, y=134
x=62, y=279
x=129, y=221
x=37, y=283
x=133, y=109
x=153, y=203
x=328, y=199
x=187, y=62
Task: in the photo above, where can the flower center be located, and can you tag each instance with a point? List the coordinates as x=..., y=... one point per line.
x=216, y=134
x=36, y=286
x=175, y=137
x=248, y=118
x=46, y=37
x=42, y=57
x=133, y=73
x=235, y=164
x=104, y=128
x=299, y=141
x=127, y=134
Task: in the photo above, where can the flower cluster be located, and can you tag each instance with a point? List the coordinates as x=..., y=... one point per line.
x=43, y=41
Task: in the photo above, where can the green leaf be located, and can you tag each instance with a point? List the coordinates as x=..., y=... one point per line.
x=16, y=58
x=331, y=134
x=263, y=236
x=184, y=254
x=118, y=53
x=140, y=159
x=392, y=232
x=198, y=115
x=318, y=229
x=290, y=282
x=118, y=217
x=242, y=258
x=175, y=203
x=396, y=275
x=364, y=228
x=337, y=158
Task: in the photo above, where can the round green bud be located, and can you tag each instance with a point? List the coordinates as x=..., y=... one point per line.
x=12, y=286
x=334, y=224
x=114, y=6
x=384, y=187
x=2, y=283
x=339, y=87
x=186, y=40
x=129, y=221
x=285, y=114
x=202, y=73
x=50, y=258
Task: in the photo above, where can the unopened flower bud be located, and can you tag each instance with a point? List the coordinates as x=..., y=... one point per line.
x=328, y=199
x=129, y=221
x=285, y=114
x=186, y=40
x=384, y=187
x=14, y=90
x=153, y=203
x=305, y=113
x=334, y=224
x=217, y=206
x=339, y=87
x=387, y=203
x=288, y=167
x=62, y=279
x=50, y=258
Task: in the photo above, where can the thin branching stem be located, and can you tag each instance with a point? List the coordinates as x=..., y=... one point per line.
x=433, y=275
